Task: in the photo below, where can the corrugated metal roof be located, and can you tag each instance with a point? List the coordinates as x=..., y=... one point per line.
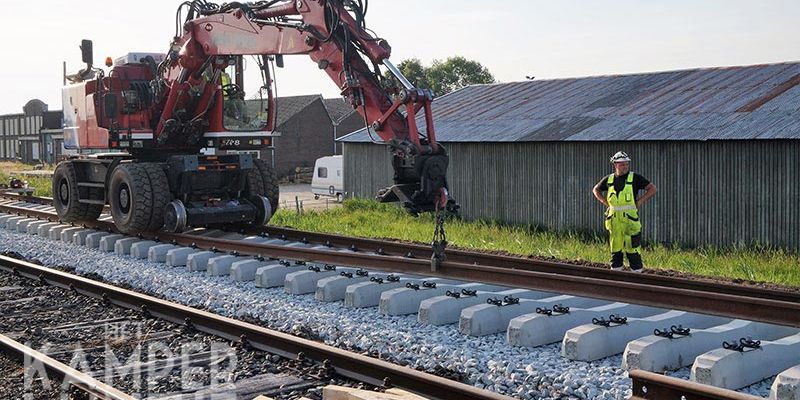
x=698, y=104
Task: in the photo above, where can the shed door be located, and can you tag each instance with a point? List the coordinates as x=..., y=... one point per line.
x=34, y=150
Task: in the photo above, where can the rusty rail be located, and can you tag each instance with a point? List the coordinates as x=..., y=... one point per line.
x=69, y=375
x=345, y=363
x=529, y=264
x=727, y=300
x=390, y=247
x=652, y=386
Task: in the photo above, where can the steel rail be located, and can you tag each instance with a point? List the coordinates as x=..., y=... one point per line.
x=345, y=363
x=529, y=264
x=750, y=308
x=625, y=288
x=650, y=386
x=69, y=375
x=506, y=261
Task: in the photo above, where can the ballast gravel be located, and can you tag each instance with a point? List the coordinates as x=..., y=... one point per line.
x=485, y=362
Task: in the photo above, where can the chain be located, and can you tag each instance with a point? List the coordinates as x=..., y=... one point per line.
x=439, y=242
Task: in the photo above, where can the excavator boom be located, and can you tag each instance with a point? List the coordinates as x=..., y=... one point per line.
x=333, y=34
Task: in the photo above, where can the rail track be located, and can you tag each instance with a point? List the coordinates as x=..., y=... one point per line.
x=344, y=363
x=75, y=379
x=729, y=300
x=714, y=298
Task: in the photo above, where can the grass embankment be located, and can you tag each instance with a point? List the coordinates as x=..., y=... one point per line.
x=368, y=218
x=42, y=185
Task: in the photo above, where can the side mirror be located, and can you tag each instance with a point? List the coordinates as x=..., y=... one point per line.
x=279, y=60
x=87, y=52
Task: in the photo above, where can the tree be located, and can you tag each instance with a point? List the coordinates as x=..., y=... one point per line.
x=443, y=76
x=456, y=73
x=414, y=71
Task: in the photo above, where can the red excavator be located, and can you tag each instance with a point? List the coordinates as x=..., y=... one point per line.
x=180, y=127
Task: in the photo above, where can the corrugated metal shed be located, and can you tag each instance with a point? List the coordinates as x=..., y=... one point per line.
x=721, y=144
x=699, y=104
x=709, y=193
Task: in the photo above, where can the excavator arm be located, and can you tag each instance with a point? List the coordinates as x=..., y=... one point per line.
x=333, y=34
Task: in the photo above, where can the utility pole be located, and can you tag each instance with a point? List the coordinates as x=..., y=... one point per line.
x=335, y=126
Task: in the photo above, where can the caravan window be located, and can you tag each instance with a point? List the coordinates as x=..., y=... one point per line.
x=322, y=172
x=338, y=172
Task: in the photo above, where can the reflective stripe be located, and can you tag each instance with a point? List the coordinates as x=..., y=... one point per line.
x=622, y=208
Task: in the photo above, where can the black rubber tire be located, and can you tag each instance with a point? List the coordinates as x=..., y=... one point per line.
x=270, y=181
x=161, y=194
x=130, y=196
x=254, y=185
x=65, y=196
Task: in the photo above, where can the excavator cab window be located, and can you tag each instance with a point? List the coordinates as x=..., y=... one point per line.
x=239, y=115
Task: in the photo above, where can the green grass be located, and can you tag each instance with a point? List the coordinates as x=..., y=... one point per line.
x=42, y=185
x=368, y=218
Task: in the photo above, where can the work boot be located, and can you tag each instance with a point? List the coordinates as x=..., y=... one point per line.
x=635, y=259
x=616, y=261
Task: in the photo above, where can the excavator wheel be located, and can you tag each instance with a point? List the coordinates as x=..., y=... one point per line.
x=65, y=196
x=137, y=200
x=270, y=180
x=254, y=184
x=161, y=194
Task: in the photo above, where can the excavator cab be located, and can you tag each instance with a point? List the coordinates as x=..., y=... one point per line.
x=149, y=169
x=236, y=114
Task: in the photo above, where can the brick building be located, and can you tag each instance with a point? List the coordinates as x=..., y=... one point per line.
x=32, y=136
x=308, y=126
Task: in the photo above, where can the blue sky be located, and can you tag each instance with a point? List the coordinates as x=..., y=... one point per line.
x=546, y=39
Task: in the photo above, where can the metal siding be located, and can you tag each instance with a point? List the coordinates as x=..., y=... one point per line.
x=710, y=192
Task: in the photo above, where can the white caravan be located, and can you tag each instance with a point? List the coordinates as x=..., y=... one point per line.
x=328, y=179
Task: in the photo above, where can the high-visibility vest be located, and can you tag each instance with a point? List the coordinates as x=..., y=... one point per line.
x=623, y=202
x=225, y=80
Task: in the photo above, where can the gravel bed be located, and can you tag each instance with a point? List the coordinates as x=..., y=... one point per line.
x=12, y=384
x=79, y=331
x=485, y=362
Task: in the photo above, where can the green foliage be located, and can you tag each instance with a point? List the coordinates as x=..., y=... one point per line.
x=368, y=218
x=414, y=71
x=456, y=73
x=443, y=76
x=42, y=185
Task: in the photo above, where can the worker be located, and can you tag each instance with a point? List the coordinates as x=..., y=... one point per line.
x=622, y=213
x=233, y=103
x=225, y=82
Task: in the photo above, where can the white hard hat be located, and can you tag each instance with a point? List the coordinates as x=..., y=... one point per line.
x=620, y=156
